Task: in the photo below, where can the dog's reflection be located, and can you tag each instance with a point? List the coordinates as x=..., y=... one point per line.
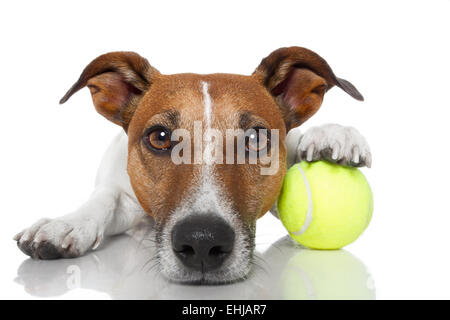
x=124, y=269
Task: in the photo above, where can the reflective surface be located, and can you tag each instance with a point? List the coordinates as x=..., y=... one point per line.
x=124, y=268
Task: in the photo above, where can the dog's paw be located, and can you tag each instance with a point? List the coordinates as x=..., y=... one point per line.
x=335, y=143
x=59, y=238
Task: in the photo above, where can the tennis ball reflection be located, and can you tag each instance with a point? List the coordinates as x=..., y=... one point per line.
x=312, y=274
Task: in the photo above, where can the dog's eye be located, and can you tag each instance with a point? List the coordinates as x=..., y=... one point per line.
x=257, y=139
x=158, y=138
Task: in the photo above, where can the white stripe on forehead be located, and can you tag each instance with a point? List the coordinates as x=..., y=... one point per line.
x=206, y=194
x=207, y=113
x=207, y=174
x=207, y=104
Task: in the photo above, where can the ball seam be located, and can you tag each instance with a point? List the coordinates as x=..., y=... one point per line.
x=309, y=212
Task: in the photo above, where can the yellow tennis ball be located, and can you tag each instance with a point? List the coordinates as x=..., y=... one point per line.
x=324, y=205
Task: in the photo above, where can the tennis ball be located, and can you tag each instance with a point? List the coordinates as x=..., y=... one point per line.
x=324, y=275
x=325, y=205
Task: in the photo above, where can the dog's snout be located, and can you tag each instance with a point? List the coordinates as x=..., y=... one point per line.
x=202, y=242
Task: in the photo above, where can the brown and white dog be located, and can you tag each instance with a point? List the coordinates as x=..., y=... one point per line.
x=204, y=212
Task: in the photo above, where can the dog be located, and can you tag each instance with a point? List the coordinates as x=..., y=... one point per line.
x=204, y=212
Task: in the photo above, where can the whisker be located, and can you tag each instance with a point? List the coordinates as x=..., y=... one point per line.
x=254, y=263
x=151, y=259
x=261, y=260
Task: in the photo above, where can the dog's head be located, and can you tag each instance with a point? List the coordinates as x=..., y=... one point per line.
x=206, y=153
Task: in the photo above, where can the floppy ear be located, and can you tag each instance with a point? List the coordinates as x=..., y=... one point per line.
x=298, y=78
x=117, y=81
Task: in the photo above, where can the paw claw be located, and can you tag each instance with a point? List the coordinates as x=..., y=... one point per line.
x=355, y=158
x=368, y=160
x=97, y=242
x=336, y=150
x=18, y=236
x=310, y=152
x=67, y=242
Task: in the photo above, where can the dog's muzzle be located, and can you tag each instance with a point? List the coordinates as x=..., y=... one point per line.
x=202, y=242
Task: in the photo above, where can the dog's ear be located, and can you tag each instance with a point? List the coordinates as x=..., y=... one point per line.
x=298, y=78
x=117, y=81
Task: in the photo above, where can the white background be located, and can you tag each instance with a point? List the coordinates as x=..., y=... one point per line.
x=395, y=52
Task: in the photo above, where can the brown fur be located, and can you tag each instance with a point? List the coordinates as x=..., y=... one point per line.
x=284, y=91
x=160, y=185
x=298, y=79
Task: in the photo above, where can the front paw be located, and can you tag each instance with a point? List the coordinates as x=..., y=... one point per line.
x=59, y=238
x=335, y=143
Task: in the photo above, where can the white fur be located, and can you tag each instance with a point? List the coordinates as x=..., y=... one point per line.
x=207, y=104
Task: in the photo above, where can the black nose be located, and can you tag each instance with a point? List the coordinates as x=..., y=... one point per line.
x=202, y=242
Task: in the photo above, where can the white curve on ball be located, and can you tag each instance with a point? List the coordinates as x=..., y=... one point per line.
x=309, y=213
